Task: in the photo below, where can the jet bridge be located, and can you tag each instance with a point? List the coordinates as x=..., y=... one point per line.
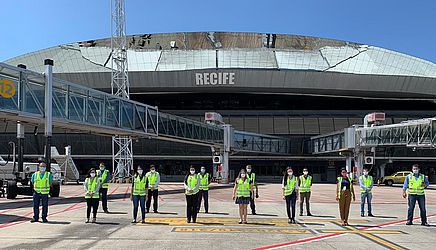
x=354, y=141
x=39, y=98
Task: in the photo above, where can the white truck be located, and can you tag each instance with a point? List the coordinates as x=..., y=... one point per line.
x=14, y=182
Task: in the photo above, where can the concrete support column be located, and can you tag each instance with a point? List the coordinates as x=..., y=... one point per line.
x=349, y=165
x=48, y=129
x=20, y=138
x=382, y=170
x=228, y=143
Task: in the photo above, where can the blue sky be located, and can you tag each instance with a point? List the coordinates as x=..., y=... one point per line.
x=405, y=26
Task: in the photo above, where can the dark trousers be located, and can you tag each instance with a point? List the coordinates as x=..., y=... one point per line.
x=421, y=203
x=252, y=204
x=203, y=194
x=291, y=200
x=344, y=204
x=154, y=194
x=103, y=195
x=191, y=207
x=305, y=196
x=138, y=200
x=91, y=203
x=36, y=198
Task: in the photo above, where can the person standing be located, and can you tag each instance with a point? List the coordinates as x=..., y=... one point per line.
x=92, y=194
x=305, y=182
x=344, y=192
x=153, y=178
x=204, y=189
x=241, y=195
x=255, y=191
x=41, y=181
x=192, y=186
x=104, y=176
x=366, y=183
x=416, y=183
x=290, y=193
x=139, y=193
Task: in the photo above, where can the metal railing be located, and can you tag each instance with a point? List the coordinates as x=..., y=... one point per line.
x=246, y=141
x=81, y=108
x=414, y=133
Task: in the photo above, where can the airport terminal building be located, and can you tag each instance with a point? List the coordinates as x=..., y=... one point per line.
x=285, y=85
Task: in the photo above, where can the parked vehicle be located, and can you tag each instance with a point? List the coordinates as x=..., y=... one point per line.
x=396, y=178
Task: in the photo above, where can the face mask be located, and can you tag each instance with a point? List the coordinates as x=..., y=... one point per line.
x=365, y=173
x=290, y=173
x=249, y=170
x=415, y=171
x=203, y=171
x=92, y=174
x=140, y=172
x=192, y=171
x=42, y=169
x=305, y=172
x=101, y=167
x=242, y=175
x=153, y=171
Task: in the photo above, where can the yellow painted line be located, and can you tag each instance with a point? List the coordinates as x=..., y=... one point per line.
x=360, y=231
x=240, y=230
x=332, y=221
x=382, y=242
x=376, y=239
x=219, y=221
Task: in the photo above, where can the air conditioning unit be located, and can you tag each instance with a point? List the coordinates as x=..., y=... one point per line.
x=217, y=159
x=213, y=117
x=369, y=160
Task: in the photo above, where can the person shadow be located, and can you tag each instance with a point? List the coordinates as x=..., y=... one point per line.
x=107, y=223
x=166, y=213
x=320, y=216
x=114, y=212
x=383, y=217
x=58, y=222
x=215, y=213
x=266, y=215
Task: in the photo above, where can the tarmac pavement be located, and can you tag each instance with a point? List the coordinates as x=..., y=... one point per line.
x=219, y=229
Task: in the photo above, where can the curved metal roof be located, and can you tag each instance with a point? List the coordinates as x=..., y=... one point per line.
x=153, y=54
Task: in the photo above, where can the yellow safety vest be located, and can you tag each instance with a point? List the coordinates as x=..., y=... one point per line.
x=251, y=177
x=415, y=185
x=339, y=185
x=92, y=186
x=204, y=181
x=152, y=179
x=41, y=185
x=243, y=188
x=139, y=185
x=305, y=184
x=103, y=177
x=192, y=184
x=290, y=185
x=367, y=182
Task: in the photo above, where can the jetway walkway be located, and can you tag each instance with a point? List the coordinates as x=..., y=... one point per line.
x=413, y=133
x=80, y=108
x=359, y=142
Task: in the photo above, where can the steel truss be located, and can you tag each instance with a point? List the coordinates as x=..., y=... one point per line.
x=414, y=133
x=122, y=148
x=79, y=108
